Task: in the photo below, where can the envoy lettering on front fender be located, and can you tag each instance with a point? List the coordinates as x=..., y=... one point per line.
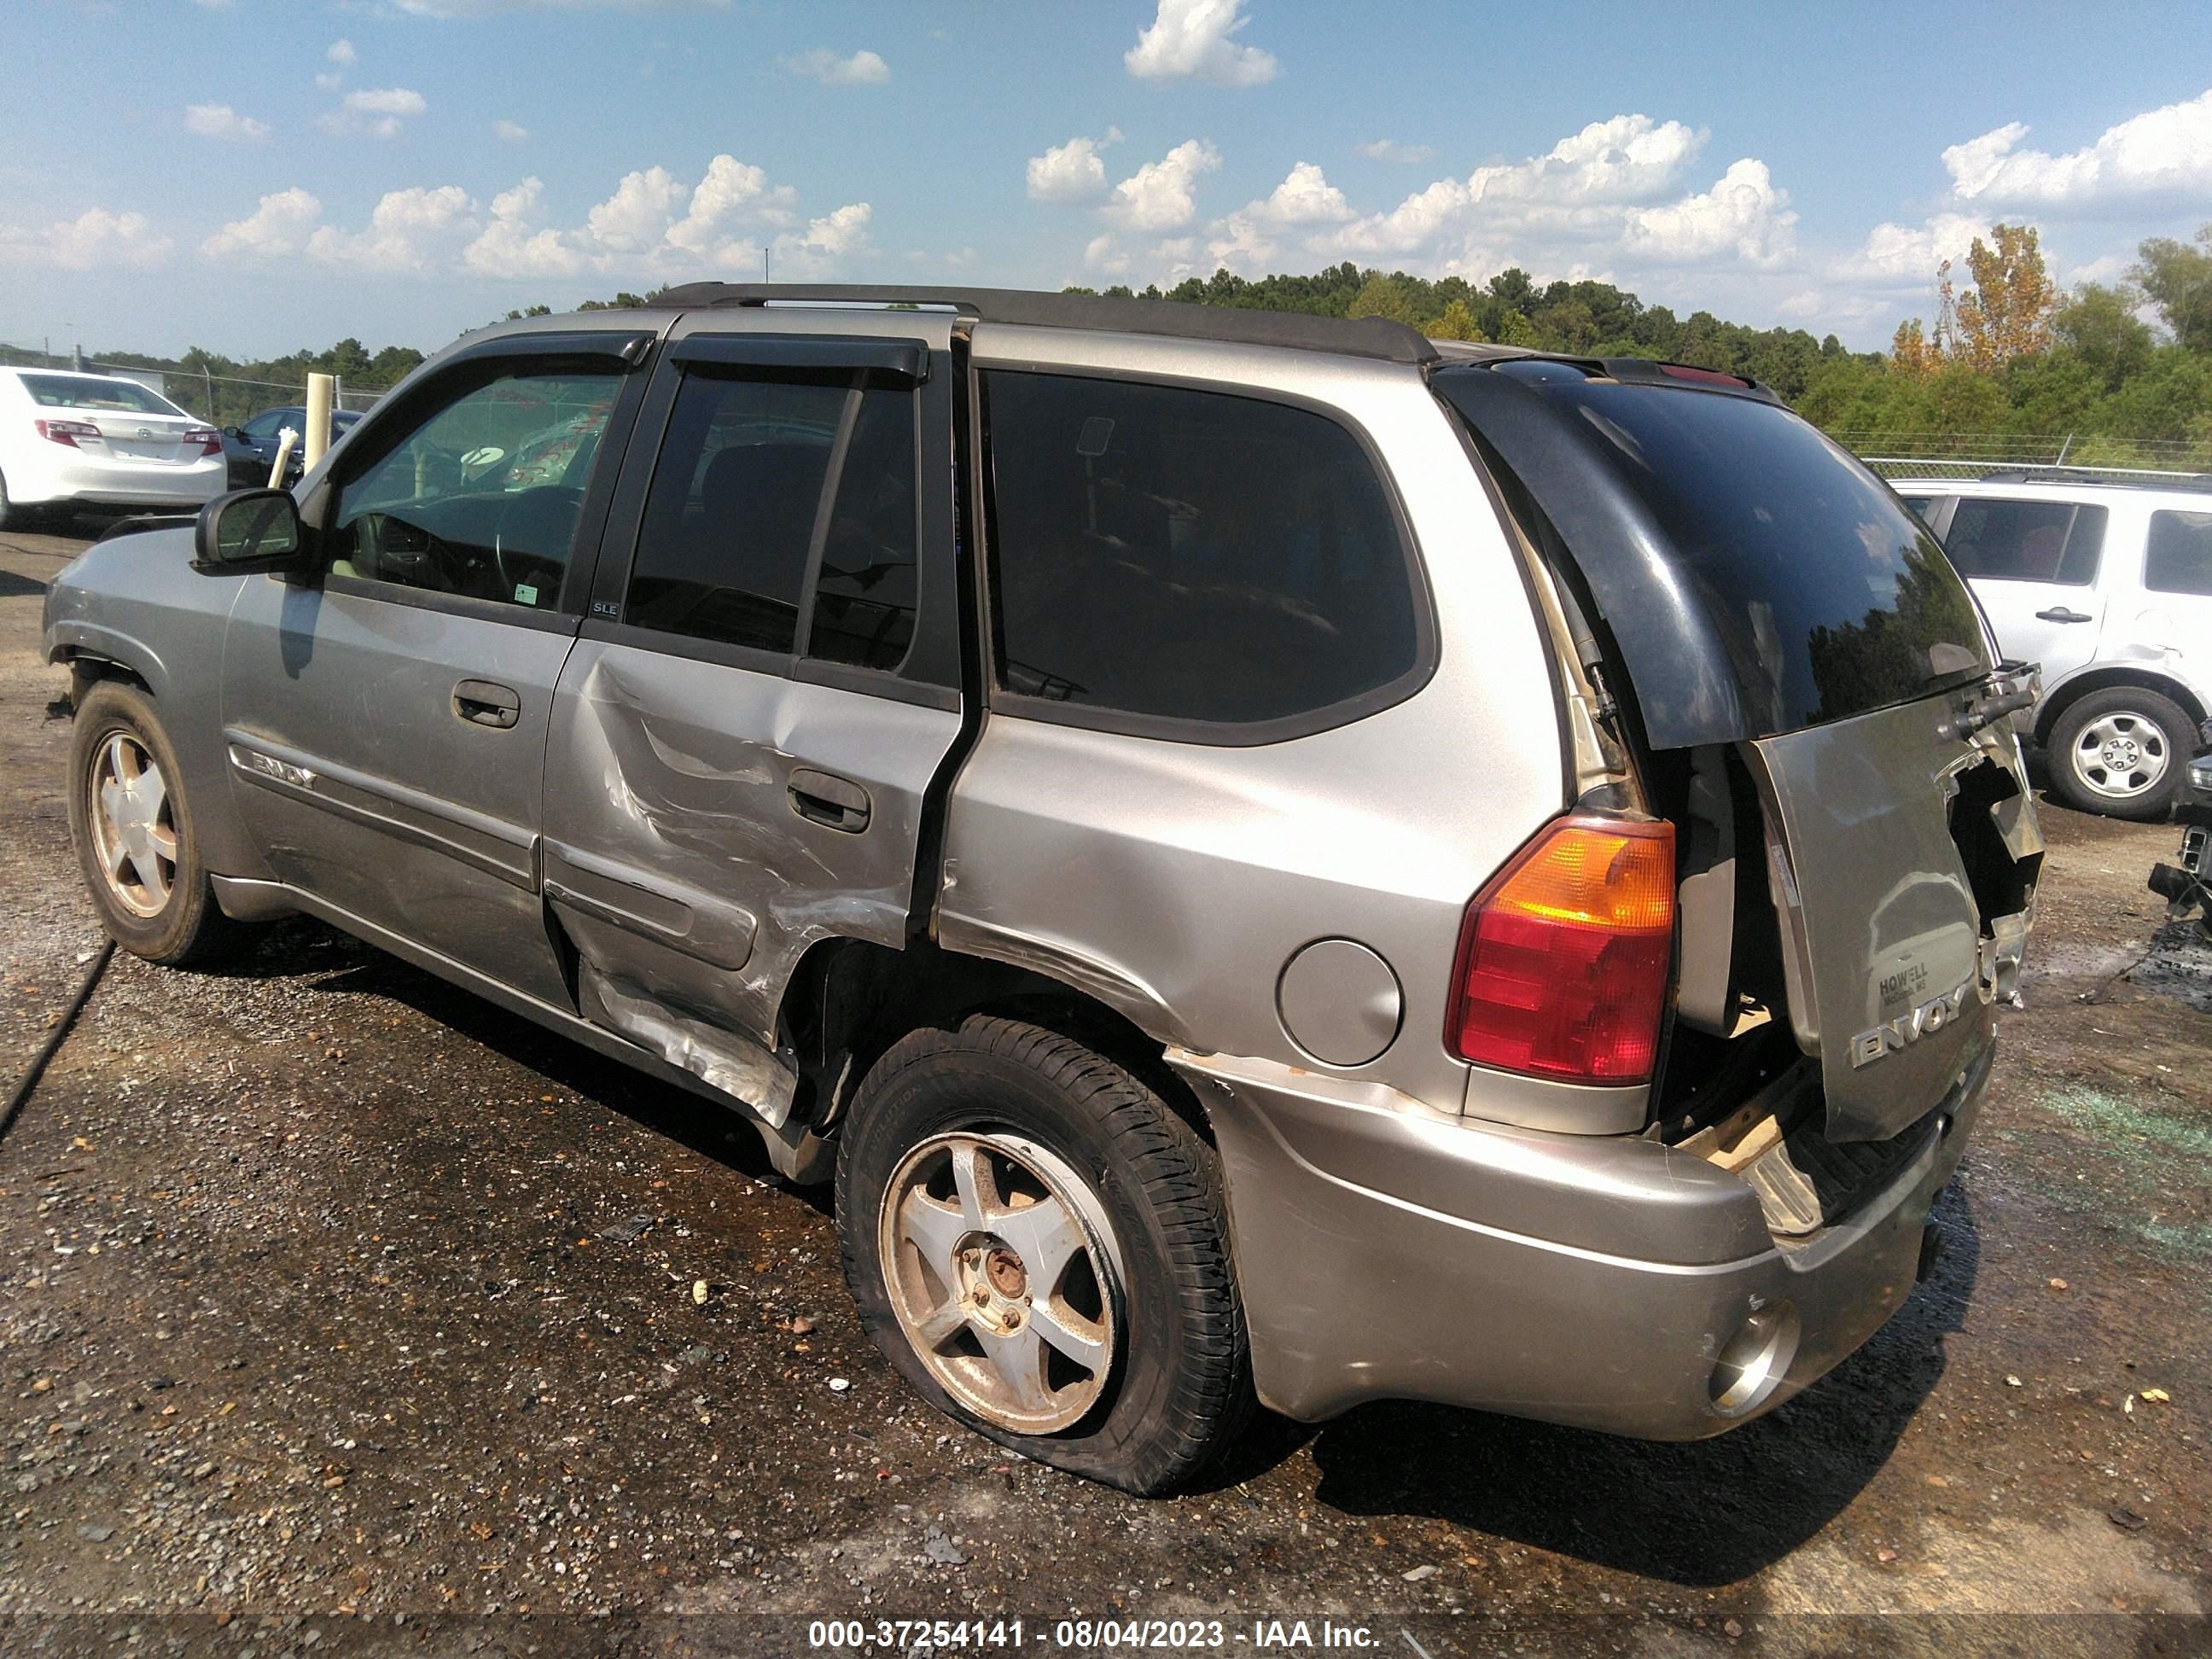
x=1932, y=1015
x=252, y=760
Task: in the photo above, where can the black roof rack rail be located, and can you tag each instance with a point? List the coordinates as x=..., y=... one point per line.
x=1364, y=337
x=2118, y=478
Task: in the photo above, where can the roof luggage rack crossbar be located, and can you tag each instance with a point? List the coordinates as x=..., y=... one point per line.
x=1364, y=337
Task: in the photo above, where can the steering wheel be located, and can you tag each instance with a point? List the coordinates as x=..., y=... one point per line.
x=537, y=527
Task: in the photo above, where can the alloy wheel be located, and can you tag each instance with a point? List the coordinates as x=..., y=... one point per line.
x=1003, y=1274
x=134, y=828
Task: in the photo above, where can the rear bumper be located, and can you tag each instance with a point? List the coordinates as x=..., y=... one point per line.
x=1389, y=1253
x=70, y=475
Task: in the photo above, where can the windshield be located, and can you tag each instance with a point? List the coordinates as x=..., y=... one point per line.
x=94, y=391
x=1826, y=597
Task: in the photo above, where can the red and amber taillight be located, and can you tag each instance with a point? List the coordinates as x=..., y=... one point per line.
x=66, y=432
x=1565, y=957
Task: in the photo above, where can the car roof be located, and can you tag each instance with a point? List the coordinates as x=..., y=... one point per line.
x=1374, y=338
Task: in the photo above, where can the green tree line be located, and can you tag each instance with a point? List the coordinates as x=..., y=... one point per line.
x=2009, y=355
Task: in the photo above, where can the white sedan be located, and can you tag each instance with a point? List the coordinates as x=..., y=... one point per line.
x=100, y=440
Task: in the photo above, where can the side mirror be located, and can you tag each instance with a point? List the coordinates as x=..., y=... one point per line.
x=248, y=530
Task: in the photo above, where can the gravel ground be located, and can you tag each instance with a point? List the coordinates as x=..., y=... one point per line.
x=342, y=1312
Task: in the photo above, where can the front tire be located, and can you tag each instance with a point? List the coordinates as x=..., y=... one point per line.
x=2121, y=751
x=133, y=829
x=1038, y=1245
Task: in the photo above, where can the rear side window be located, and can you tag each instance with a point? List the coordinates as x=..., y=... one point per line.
x=2179, y=559
x=2010, y=541
x=1187, y=555
x=1929, y=510
x=731, y=517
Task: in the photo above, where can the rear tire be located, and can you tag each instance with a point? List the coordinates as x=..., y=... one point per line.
x=2121, y=751
x=11, y=516
x=133, y=828
x=1050, y=1129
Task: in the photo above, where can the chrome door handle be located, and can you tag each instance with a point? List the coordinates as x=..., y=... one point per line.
x=2060, y=613
x=481, y=702
x=837, y=803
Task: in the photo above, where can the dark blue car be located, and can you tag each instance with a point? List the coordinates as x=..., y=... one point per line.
x=251, y=448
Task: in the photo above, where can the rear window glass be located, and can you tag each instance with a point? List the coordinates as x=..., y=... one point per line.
x=89, y=392
x=2179, y=559
x=2014, y=541
x=1828, y=596
x=1189, y=555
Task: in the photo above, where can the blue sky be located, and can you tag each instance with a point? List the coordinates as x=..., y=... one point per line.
x=254, y=177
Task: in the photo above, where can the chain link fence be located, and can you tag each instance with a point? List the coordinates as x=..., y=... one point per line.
x=1976, y=454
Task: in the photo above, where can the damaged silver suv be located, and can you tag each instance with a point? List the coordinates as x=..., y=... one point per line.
x=1269, y=858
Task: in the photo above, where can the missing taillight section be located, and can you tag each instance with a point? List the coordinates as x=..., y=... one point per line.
x=1565, y=957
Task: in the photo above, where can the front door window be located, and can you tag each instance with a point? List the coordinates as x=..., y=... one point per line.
x=482, y=499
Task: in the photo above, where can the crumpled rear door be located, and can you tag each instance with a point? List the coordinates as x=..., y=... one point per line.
x=1902, y=856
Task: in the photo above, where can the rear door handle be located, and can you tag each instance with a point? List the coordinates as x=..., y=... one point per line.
x=838, y=803
x=484, y=704
x=2060, y=613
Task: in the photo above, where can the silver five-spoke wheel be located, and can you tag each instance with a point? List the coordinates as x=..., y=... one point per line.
x=133, y=828
x=1001, y=1272
x=2121, y=755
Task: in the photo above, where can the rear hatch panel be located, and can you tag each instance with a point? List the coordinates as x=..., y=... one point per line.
x=1883, y=872
x=1759, y=593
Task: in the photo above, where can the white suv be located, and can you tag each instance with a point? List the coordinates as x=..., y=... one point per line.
x=2106, y=581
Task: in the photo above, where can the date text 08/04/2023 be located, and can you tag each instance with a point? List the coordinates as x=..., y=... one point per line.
x=1088, y=1634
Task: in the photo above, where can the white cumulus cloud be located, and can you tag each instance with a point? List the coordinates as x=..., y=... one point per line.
x=221, y=121
x=1191, y=39
x=1906, y=255
x=638, y=214
x=95, y=237
x=656, y=227
x=1743, y=216
x=2162, y=152
x=732, y=193
x=1245, y=240
x=862, y=68
x=513, y=245
x=1304, y=198
x=280, y=225
x=1072, y=171
x=1157, y=196
x=414, y=229
x=1387, y=150
x=513, y=131
x=377, y=111
x=340, y=51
